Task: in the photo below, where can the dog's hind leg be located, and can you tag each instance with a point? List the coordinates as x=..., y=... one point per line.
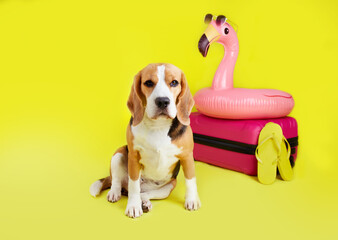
x=119, y=174
x=160, y=193
x=97, y=187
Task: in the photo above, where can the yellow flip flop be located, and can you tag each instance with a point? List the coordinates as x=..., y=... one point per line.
x=268, y=152
x=284, y=166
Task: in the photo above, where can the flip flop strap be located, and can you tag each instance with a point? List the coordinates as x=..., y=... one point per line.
x=288, y=149
x=275, y=143
x=288, y=145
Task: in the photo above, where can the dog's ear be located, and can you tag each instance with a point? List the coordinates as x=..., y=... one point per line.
x=135, y=101
x=185, y=102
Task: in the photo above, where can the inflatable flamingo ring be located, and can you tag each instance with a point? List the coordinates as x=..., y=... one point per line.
x=222, y=100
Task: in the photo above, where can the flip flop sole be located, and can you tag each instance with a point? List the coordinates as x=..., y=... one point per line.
x=267, y=152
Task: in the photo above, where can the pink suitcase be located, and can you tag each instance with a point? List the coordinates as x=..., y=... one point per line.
x=231, y=144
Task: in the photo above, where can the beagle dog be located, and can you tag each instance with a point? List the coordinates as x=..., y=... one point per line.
x=159, y=140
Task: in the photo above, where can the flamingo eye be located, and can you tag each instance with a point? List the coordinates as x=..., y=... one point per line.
x=149, y=83
x=226, y=31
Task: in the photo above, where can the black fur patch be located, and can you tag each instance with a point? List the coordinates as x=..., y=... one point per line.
x=131, y=121
x=176, y=170
x=124, y=192
x=177, y=129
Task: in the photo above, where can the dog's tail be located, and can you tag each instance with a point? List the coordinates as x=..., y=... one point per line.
x=97, y=187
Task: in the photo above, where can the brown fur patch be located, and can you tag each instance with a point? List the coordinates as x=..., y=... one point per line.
x=106, y=182
x=136, y=100
x=185, y=102
x=134, y=165
x=173, y=182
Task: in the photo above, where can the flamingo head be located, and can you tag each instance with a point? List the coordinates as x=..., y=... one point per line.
x=220, y=31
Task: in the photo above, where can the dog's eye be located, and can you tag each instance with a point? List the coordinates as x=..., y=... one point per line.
x=149, y=83
x=174, y=83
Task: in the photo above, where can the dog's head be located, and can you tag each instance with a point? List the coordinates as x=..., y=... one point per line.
x=160, y=90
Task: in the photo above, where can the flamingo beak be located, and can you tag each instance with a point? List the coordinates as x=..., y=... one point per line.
x=209, y=36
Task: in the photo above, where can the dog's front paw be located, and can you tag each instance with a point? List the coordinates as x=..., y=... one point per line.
x=113, y=195
x=134, y=208
x=192, y=204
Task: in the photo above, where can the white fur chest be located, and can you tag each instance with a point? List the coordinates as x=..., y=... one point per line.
x=157, y=152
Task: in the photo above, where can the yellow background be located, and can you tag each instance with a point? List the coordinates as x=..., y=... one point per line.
x=66, y=68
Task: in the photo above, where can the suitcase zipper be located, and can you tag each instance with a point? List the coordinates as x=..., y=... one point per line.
x=233, y=145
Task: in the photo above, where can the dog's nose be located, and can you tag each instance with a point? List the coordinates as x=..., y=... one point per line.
x=162, y=102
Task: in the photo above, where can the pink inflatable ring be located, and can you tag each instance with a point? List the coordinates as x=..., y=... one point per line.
x=222, y=100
